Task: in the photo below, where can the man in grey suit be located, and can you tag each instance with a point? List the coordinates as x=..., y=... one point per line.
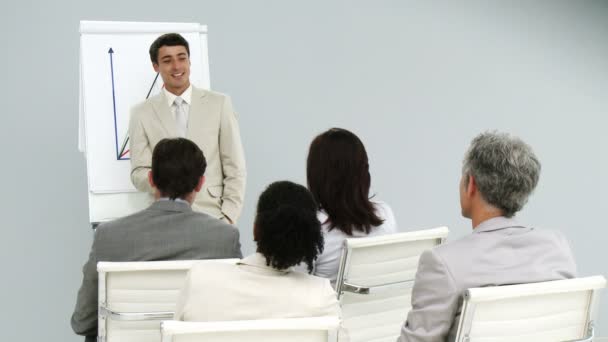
x=499, y=173
x=167, y=230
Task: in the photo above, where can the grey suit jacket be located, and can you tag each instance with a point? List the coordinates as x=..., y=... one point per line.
x=498, y=252
x=213, y=126
x=167, y=230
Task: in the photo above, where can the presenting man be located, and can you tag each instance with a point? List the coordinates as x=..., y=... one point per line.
x=499, y=173
x=203, y=116
x=167, y=230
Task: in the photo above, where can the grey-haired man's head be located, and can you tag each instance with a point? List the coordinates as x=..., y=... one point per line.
x=505, y=171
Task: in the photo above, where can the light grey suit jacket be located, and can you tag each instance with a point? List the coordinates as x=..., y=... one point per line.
x=498, y=252
x=213, y=126
x=167, y=230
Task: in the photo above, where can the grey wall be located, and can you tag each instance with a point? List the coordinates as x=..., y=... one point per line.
x=416, y=81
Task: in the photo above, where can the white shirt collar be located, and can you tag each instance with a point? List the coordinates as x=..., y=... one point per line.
x=496, y=223
x=186, y=95
x=175, y=200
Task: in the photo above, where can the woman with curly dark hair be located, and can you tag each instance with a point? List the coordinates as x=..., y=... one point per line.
x=338, y=176
x=263, y=285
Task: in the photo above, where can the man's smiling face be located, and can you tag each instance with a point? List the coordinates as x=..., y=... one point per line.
x=173, y=64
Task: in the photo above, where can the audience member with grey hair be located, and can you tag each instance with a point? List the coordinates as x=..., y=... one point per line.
x=499, y=173
x=505, y=170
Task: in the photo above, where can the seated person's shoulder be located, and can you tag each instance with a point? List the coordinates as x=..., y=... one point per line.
x=212, y=223
x=303, y=277
x=204, y=270
x=451, y=254
x=554, y=238
x=210, y=265
x=121, y=223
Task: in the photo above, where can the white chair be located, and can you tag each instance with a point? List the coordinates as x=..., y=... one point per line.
x=375, y=280
x=562, y=310
x=314, y=329
x=134, y=297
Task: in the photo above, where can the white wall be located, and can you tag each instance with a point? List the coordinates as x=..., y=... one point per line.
x=415, y=80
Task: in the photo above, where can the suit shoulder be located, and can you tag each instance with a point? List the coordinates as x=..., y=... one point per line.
x=143, y=107
x=446, y=250
x=203, y=218
x=214, y=96
x=121, y=223
x=212, y=223
x=449, y=256
x=213, y=93
x=555, y=236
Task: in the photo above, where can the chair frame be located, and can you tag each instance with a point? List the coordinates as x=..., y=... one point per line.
x=342, y=284
x=103, y=268
x=169, y=329
x=596, y=284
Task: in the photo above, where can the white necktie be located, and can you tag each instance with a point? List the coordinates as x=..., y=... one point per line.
x=181, y=120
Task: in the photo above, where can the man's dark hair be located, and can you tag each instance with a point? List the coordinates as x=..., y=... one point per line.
x=337, y=171
x=287, y=230
x=177, y=166
x=169, y=39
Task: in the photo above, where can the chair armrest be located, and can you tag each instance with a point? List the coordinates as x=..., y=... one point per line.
x=364, y=290
x=135, y=316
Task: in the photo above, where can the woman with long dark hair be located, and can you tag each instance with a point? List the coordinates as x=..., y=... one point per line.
x=338, y=176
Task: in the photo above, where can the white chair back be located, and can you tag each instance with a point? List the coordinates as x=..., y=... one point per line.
x=375, y=280
x=315, y=329
x=134, y=297
x=562, y=310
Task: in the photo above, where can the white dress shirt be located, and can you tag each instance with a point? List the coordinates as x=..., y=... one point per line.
x=187, y=97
